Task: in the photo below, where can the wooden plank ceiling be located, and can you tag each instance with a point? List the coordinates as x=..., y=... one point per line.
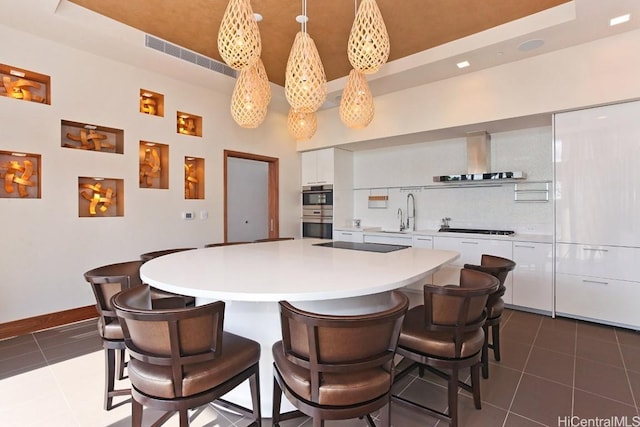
x=413, y=25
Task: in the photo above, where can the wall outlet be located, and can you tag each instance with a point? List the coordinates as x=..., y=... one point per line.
x=188, y=215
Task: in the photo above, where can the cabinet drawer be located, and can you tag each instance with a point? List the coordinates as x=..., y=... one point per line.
x=348, y=236
x=471, y=250
x=598, y=261
x=422, y=242
x=607, y=300
x=388, y=240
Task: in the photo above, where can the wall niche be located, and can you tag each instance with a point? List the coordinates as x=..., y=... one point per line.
x=100, y=197
x=193, y=177
x=151, y=103
x=81, y=136
x=20, y=175
x=18, y=83
x=154, y=165
x=188, y=124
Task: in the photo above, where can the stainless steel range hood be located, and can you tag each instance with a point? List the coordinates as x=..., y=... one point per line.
x=479, y=162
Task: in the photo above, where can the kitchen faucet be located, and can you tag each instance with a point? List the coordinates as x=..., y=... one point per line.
x=411, y=214
x=401, y=221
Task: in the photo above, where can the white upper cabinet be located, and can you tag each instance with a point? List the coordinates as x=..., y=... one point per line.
x=597, y=153
x=317, y=167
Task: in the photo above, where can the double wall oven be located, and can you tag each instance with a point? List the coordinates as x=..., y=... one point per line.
x=317, y=211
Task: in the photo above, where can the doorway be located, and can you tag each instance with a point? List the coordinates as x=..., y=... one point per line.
x=250, y=197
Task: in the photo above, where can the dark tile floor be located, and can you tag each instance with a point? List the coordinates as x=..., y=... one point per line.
x=554, y=372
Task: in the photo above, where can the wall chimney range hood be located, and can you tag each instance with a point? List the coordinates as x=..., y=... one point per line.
x=479, y=162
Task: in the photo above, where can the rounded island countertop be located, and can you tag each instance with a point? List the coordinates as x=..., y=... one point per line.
x=293, y=270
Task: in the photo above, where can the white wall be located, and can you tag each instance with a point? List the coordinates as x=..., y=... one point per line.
x=599, y=72
x=410, y=168
x=47, y=247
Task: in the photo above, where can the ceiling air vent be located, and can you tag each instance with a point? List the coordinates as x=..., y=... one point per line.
x=189, y=56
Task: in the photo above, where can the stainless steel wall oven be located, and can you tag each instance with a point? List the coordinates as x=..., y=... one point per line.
x=317, y=211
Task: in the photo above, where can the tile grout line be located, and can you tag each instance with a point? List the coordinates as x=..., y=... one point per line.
x=626, y=372
x=57, y=381
x=515, y=392
x=575, y=363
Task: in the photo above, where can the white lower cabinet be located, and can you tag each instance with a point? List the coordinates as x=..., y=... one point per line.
x=389, y=239
x=532, y=283
x=422, y=242
x=471, y=251
x=348, y=236
x=598, y=282
x=599, y=299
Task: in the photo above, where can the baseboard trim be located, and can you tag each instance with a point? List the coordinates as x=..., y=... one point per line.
x=46, y=321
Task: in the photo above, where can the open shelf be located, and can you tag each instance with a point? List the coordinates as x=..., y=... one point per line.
x=193, y=178
x=18, y=83
x=188, y=124
x=20, y=175
x=82, y=136
x=154, y=165
x=151, y=103
x=100, y=197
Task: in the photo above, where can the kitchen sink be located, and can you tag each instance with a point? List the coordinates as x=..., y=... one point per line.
x=476, y=231
x=389, y=230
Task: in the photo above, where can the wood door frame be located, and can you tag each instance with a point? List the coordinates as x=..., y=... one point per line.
x=273, y=182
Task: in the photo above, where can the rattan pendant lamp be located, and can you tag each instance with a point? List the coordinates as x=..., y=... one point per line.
x=356, y=105
x=251, y=96
x=369, y=46
x=302, y=126
x=239, y=41
x=305, y=81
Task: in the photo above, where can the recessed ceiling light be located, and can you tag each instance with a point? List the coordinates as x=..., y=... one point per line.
x=530, y=45
x=463, y=64
x=619, y=19
x=301, y=19
x=257, y=17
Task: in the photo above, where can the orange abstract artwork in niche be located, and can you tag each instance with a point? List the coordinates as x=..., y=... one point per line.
x=90, y=140
x=99, y=197
x=150, y=167
x=190, y=181
x=18, y=174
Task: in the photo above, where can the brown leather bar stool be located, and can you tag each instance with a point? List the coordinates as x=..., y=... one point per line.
x=273, y=239
x=498, y=267
x=215, y=245
x=182, y=359
x=155, y=254
x=106, y=281
x=445, y=335
x=334, y=367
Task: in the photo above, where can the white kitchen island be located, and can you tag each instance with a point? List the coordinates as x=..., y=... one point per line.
x=252, y=278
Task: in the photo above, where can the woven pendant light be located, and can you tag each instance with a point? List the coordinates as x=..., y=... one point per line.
x=368, y=48
x=305, y=84
x=250, y=96
x=263, y=79
x=239, y=41
x=356, y=106
x=302, y=126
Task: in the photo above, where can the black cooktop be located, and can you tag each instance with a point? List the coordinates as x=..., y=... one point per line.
x=369, y=247
x=477, y=231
